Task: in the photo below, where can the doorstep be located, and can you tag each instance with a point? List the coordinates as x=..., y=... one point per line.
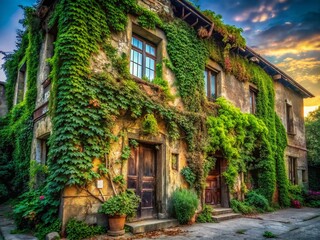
x=151, y=225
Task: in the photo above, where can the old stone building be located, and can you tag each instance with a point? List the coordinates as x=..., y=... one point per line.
x=156, y=157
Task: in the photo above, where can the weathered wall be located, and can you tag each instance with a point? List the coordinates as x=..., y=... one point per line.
x=3, y=101
x=77, y=203
x=42, y=126
x=296, y=142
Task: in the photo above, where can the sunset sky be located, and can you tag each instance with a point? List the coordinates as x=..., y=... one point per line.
x=286, y=32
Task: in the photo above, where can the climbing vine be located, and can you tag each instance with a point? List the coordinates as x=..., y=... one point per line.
x=16, y=131
x=84, y=105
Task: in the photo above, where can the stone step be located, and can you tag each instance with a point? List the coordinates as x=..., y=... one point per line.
x=227, y=216
x=218, y=211
x=151, y=225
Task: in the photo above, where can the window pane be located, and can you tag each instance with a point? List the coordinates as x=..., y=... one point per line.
x=150, y=63
x=206, y=82
x=150, y=49
x=136, y=42
x=151, y=77
x=131, y=68
x=139, y=74
x=213, y=85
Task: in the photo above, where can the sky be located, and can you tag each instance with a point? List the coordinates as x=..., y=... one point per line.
x=286, y=32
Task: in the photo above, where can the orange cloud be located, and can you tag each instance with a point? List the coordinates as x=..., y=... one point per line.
x=291, y=45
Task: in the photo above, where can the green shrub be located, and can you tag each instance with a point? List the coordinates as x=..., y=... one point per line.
x=42, y=230
x=257, y=200
x=125, y=203
x=296, y=193
x=241, y=207
x=27, y=211
x=185, y=203
x=77, y=230
x=314, y=203
x=206, y=215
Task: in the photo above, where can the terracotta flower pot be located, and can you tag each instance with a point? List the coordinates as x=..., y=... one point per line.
x=116, y=222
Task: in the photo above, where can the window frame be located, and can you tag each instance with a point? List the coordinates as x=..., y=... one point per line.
x=289, y=119
x=253, y=94
x=144, y=54
x=292, y=170
x=208, y=92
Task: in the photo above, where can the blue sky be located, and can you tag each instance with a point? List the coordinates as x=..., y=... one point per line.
x=286, y=32
x=10, y=14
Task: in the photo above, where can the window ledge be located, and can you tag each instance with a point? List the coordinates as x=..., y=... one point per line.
x=150, y=84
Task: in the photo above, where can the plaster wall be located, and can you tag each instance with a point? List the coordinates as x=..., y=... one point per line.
x=296, y=142
x=3, y=100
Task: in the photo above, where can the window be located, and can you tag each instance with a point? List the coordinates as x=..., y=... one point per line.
x=143, y=58
x=46, y=90
x=210, y=84
x=253, y=100
x=21, y=84
x=292, y=164
x=289, y=116
x=175, y=161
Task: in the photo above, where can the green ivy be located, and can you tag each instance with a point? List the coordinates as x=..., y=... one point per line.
x=84, y=105
x=16, y=131
x=188, y=55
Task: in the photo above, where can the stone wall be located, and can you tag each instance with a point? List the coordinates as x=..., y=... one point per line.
x=77, y=202
x=296, y=142
x=3, y=100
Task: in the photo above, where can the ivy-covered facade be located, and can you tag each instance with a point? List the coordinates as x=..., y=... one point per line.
x=146, y=95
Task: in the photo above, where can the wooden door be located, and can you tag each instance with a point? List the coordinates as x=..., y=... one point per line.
x=142, y=178
x=213, y=186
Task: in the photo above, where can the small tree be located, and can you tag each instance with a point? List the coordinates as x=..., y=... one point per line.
x=313, y=145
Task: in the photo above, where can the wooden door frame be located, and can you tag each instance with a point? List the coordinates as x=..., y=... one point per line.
x=159, y=142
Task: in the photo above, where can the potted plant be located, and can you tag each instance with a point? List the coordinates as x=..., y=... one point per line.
x=118, y=208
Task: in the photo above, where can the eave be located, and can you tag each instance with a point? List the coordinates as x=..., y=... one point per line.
x=187, y=12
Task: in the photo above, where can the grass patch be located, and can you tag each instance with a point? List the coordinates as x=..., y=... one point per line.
x=241, y=231
x=268, y=234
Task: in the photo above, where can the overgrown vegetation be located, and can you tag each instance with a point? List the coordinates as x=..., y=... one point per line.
x=185, y=203
x=77, y=230
x=206, y=214
x=253, y=203
x=313, y=144
x=84, y=106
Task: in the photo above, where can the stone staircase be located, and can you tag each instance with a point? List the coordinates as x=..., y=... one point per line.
x=221, y=214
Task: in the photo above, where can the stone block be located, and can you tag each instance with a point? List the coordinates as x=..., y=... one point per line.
x=53, y=236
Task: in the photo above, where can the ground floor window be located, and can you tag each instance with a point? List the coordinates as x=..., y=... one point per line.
x=292, y=166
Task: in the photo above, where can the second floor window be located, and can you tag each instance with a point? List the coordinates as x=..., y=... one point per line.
x=253, y=100
x=289, y=116
x=210, y=84
x=143, y=59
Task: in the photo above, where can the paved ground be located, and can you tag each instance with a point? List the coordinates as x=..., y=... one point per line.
x=285, y=224
x=7, y=225
x=291, y=224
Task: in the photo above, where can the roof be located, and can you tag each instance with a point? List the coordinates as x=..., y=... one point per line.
x=187, y=12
